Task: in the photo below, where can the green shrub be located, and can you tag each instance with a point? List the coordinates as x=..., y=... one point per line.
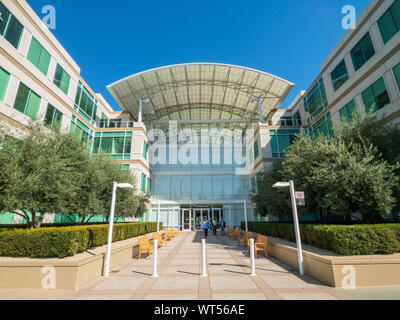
x=67, y=241
x=344, y=240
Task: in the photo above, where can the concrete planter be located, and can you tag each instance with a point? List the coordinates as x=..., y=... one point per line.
x=69, y=273
x=339, y=271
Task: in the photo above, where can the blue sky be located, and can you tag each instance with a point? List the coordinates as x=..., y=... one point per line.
x=113, y=39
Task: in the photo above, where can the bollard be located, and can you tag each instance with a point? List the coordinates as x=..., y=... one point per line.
x=155, y=258
x=203, y=255
x=253, y=262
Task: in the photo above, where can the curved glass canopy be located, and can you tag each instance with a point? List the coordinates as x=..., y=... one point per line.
x=201, y=93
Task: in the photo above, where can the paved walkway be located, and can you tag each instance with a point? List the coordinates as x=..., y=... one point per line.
x=180, y=269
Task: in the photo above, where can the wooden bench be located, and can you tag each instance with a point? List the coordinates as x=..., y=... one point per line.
x=161, y=239
x=260, y=245
x=168, y=234
x=175, y=233
x=235, y=234
x=243, y=239
x=145, y=246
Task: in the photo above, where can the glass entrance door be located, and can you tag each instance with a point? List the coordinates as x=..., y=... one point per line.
x=186, y=220
x=216, y=216
x=199, y=215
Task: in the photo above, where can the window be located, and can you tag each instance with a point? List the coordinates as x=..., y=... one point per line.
x=116, y=144
x=62, y=79
x=348, y=112
x=148, y=185
x=256, y=150
x=143, y=184
x=339, y=75
x=145, y=150
x=27, y=101
x=396, y=72
x=125, y=167
x=389, y=23
x=86, y=104
x=297, y=119
x=323, y=126
x=253, y=184
x=10, y=27
x=4, y=78
x=376, y=96
x=53, y=116
x=39, y=57
x=103, y=121
x=82, y=131
x=362, y=52
x=281, y=140
x=315, y=101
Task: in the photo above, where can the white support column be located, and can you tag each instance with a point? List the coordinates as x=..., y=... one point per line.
x=245, y=215
x=260, y=109
x=158, y=216
x=140, y=116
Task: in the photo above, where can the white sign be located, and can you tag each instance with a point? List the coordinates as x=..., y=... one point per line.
x=300, y=198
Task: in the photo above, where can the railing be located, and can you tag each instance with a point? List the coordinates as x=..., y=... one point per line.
x=116, y=124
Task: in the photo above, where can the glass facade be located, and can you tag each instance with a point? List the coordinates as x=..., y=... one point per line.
x=86, y=104
x=323, y=126
x=116, y=144
x=376, y=96
x=39, y=57
x=396, y=71
x=53, y=116
x=389, y=23
x=62, y=79
x=281, y=141
x=82, y=131
x=27, y=101
x=339, y=75
x=10, y=28
x=348, y=112
x=362, y=52
x=315, y=101
x=4, y=79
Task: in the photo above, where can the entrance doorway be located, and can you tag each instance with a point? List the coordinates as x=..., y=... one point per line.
x=199, y=215
x=186, y=220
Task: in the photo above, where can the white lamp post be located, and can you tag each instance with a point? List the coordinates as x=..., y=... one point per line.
x=290, y=185
x=140, y=117
x=111, y=222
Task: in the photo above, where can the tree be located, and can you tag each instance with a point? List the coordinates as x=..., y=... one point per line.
x=34, y=179
x=341, y=177
x=269, y=200
x=55, y=173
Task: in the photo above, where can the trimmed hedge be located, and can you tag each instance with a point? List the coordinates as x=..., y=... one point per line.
x=66, y=241
x=343, y=240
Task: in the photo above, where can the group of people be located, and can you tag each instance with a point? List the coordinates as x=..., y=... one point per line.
x=207, y=225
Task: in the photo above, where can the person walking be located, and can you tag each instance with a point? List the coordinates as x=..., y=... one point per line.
x=214, y=227
x=223, y=226
x=206, y=226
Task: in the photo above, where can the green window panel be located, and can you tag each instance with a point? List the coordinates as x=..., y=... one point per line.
x=86, y=102
x=27, y=101
x=118, y=147
x=143, y=184
x=148, y=185
x=4, y=79
x=396, y=72
x=145, y=149
x=297, y=119
x=339, y=75
x=82, y=132
x=315, y=101
x=323, y=126
x=62, y=79
x=362, y=52
x=389, y=23
x=125, y=167
x=281, y=140
x=349, y=111
x=128, y=145
x=256, y=150
x=376, y=96
x=10, y=28
x=53, y=116
x=103, y=121
x=39, y=57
